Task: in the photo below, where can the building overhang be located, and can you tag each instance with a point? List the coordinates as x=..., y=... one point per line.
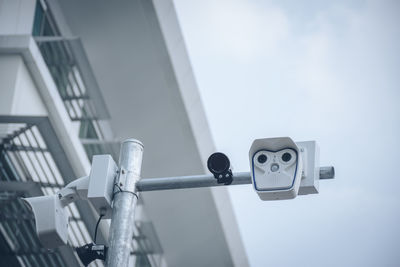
x=139, y=59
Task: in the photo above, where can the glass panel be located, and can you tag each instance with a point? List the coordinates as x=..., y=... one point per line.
x=38, y=20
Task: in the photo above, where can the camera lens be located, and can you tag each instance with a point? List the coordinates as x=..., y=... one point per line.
x=262, y=158
x=286, y=157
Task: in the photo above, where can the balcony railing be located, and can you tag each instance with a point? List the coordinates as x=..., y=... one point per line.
x=75, y=81
x=29, y=167
x=27, y=162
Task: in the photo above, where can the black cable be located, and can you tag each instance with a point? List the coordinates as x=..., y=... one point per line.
x=123, y=191
x=97, y=225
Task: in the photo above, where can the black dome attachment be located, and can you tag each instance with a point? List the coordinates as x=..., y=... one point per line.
x=219, y=165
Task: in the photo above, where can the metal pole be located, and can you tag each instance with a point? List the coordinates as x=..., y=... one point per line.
x=195, y=181
x=124, y=203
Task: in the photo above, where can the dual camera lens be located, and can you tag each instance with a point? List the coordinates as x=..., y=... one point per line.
x=286, y=157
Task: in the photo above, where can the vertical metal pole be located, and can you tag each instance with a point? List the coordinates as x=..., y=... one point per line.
x=124, y=203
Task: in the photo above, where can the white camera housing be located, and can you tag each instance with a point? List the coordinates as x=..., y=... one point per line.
x=276, y=168
x=51, y=217
x=51, y=220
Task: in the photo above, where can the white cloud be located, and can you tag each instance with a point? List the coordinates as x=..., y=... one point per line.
x=245, y=31
x=238, y=29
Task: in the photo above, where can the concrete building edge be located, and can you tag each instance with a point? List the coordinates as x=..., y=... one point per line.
x=205, y=144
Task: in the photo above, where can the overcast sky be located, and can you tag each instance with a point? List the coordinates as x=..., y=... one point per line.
x=312, y=70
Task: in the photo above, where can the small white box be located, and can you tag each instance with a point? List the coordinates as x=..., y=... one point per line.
x=101, y=183
x=310, y=181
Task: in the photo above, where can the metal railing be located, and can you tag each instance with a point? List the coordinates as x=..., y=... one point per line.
x=75, y=81
x=28, y=168
x=24, y=158
x=76, y=84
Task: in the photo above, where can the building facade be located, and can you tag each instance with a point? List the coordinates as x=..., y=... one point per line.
x=78, y=77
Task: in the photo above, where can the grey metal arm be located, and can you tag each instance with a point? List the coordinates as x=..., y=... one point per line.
x=193, y=181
